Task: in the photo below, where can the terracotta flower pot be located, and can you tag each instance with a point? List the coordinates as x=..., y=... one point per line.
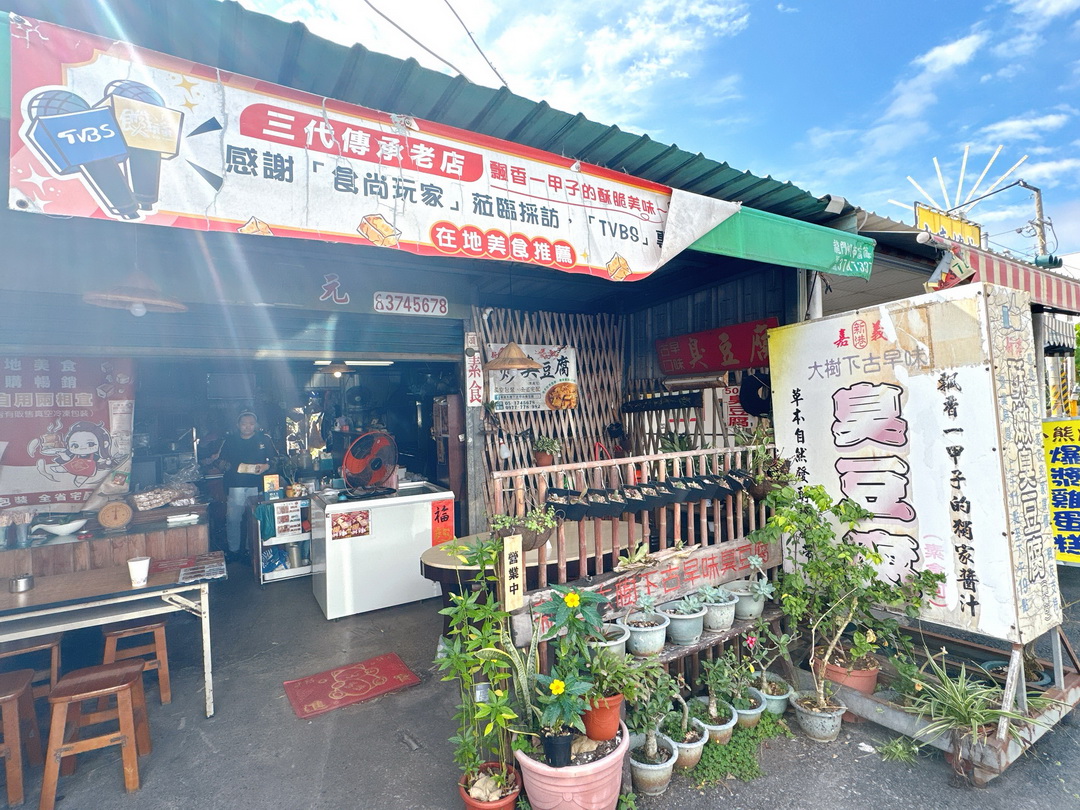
x=507, y=802
x=543, y=459
x=602, y=718
x=863, y=681
x=594, y=785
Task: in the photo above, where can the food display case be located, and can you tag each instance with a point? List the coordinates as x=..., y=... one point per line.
x=365, y=551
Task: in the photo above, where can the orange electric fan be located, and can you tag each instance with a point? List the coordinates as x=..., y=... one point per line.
x=370, y=461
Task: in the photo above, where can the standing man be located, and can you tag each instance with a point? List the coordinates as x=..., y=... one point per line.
x=246, y=458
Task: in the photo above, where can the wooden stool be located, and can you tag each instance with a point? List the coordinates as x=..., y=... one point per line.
x=122, y=680
x=157, y=648
x=17, y=710
x=44, y=679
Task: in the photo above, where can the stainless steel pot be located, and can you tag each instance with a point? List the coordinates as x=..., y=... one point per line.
x=21, y=584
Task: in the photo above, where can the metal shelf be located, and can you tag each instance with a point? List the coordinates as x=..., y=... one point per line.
x=282, y=539
x=287, y=573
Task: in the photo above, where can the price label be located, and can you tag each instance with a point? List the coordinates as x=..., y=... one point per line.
x=410, y=304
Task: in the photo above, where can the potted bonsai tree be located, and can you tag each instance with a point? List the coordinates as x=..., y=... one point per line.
x=545, y=450
x=832, y=583
x=688, y=734
x=764, y=647
x=652, y=754
x=712, y=710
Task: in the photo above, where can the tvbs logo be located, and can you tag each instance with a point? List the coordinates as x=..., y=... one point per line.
x=115, y=147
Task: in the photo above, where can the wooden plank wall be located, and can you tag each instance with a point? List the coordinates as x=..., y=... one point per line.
x=104, y=552
x=598, y=340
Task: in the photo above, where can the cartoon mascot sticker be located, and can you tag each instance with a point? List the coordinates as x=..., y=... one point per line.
x=84, y=451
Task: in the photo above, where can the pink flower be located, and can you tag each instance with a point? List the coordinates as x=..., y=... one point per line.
x=750, y=642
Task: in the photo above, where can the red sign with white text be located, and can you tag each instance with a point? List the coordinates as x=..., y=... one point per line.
x=728, y=348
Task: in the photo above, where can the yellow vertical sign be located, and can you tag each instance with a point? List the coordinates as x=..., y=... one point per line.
x=1061, y=445
x=513, y=573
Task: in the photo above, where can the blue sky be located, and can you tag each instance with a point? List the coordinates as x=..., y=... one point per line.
x=838, y=97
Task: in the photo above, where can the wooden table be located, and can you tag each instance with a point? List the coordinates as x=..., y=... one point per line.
x=92, y=598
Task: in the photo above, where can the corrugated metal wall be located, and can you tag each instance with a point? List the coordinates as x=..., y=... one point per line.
x=768, y=292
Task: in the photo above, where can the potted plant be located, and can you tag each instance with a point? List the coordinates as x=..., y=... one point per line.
x=615, y=678
x=743, y=696
x=751, y=593
x=647, y=626
x=535, y=526
x=685, y=620
x=652, y=754
x=764, y=647
x=575, y=621
x=965, y=709
x=716, y=714
x=719, y=607
x=545, y=450
x=689, y=734
x=832, y=582
x=485, y=719
x=613, y=639
x=768, y=470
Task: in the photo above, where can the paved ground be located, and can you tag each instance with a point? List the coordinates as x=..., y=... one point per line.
x=393, y=752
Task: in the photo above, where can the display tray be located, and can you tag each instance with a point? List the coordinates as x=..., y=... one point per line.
x=287, y=573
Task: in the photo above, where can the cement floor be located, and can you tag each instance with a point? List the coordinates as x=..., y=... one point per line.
x=392, y=752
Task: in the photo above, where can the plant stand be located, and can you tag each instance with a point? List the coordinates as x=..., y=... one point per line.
x=991, y=757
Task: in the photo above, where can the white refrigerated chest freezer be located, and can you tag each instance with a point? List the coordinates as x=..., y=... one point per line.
x=365, y=552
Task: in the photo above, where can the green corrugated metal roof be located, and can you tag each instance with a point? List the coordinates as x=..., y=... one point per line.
x=226, y=35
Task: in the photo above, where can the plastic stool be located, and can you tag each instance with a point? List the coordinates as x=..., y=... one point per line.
x=122, y=680
x=156, y=648
x=19, y=728
x=44, y=679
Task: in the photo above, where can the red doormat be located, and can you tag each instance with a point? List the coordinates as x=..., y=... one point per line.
x=317, y=694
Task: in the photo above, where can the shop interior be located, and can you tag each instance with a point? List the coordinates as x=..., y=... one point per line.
x=185, y=407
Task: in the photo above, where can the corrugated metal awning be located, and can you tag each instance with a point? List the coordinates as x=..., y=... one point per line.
x=1059, y=337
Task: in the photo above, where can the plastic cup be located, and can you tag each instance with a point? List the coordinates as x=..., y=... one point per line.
x=139, y=569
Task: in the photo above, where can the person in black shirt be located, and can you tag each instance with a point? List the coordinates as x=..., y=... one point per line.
x=246, y=458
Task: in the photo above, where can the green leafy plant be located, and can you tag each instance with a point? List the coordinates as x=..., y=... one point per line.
x=718, y=676
x=766, y=465
x=739, y=758
x=964, y=708
x=677, y=724
x=638, y=558
x=561, y=696
x=485, y=717
x=627, y=801
x=760, y=585
x=899, y=749
x=538, y=519
x=547, y=444
x=616, y=674
x=832, y=581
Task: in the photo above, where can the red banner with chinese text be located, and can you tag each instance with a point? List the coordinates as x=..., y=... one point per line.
x=727, y=348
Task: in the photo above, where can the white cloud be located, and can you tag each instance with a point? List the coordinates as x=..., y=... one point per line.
x=1043, y=11
x=951, y=54
x=912, y=96
x=786, y=9
x=1023, y=128
x=1053, y=172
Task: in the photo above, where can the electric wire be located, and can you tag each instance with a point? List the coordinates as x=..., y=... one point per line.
x=418, y=42
x=477, y=44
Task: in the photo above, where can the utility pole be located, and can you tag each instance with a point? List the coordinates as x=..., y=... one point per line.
x=1040, y=225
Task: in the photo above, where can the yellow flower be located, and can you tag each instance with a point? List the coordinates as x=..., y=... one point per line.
x=752, y=670
x=918, y=686
x=871, y=636
x=557, y=687
x=572, y=599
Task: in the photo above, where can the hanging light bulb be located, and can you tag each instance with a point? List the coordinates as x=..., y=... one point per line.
x=138, y=309
x=504, y=450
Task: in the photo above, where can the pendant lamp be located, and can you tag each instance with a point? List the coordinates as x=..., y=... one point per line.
x=138, y=295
